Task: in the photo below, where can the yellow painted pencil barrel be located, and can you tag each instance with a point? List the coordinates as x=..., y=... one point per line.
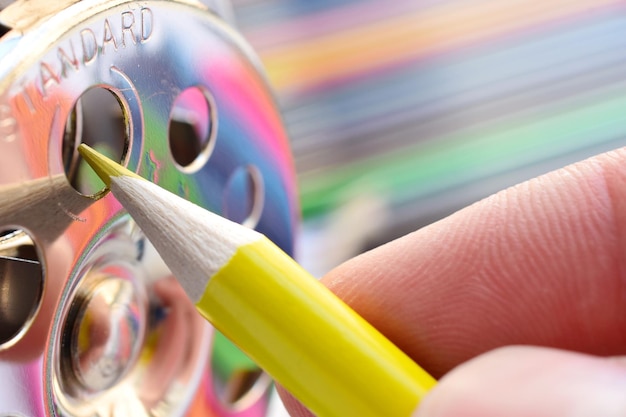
x=307, y=339
x=312, y=343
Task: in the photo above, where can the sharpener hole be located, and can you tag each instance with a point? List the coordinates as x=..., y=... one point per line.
x=21, y=284
x=99, y=120
x=244, y=196
x=237, y=380
x=192, y=129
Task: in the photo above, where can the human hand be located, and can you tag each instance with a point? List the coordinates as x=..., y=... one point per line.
x=540, y=264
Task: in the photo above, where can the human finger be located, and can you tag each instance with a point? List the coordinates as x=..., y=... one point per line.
x=530, y=382
x=541, y=263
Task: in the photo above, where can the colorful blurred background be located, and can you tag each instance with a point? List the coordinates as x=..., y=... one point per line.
x=403, y=111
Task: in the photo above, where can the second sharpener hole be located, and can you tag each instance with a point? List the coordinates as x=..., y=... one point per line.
x=192, y=128
x=244, y=196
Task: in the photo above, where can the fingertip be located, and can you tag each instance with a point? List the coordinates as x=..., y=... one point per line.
x=540, y=263
x=530, y=382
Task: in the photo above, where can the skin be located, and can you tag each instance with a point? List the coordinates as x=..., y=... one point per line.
x=518, y=301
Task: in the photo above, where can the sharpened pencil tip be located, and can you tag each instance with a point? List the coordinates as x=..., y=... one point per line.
x=103, y=166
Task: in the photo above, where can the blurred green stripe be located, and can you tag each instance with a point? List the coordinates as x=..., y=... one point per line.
x=456, y=158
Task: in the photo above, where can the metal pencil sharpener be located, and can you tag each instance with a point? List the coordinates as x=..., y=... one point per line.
x=91, y=322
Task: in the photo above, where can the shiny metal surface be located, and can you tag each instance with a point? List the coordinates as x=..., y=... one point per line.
x=103, y=329
x=107, y=332
x=222, y=8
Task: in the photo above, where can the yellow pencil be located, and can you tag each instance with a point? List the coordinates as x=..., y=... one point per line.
x=300, y=333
